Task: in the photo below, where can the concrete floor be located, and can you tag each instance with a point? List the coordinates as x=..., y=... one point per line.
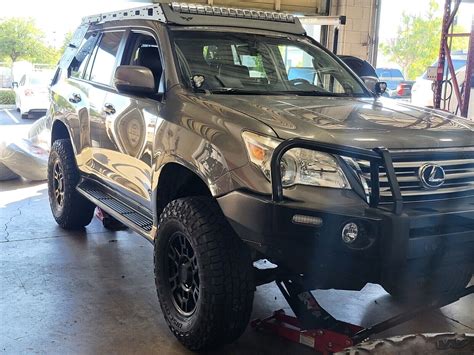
x=92, y=292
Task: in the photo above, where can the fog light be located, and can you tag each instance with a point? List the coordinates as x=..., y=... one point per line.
x=350, y=232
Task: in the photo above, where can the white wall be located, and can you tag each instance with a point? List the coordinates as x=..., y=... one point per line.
x=357, y=36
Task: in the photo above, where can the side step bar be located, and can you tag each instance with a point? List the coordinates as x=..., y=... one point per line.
x=117, y=208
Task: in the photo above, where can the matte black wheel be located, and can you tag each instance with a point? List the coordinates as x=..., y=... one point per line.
x=203, y=274
x=70, y=209
x=58, y=184
x=183, y=274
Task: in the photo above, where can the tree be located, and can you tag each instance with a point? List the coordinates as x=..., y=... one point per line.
x=417, y=43
x=67, y=39
x=20, y=38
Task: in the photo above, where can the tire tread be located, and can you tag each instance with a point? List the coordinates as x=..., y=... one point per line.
x=77, y=211
x=227, y=274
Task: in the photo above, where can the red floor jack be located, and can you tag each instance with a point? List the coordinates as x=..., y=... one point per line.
x=316, y=328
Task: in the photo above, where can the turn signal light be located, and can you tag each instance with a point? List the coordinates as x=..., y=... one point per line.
x=308, y=220
x=256, y=151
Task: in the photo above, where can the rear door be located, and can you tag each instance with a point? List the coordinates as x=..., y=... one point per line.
x=99, y=78
x=130, y=122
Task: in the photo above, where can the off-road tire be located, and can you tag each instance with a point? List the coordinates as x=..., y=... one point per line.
x=424, y=288
x=446, y=344
x=226, y=279
x=76, y=211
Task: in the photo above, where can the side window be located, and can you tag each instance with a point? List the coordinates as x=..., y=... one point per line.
x=210, y=53
x=251, y=58
x=301, y=66
x=104, y=61
x=80, y=61
x=143, y=50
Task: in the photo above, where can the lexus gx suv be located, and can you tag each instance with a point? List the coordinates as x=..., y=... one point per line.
x=227, y=137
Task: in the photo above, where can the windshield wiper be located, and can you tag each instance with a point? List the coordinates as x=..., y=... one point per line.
x=326, y=94
x=249, y=92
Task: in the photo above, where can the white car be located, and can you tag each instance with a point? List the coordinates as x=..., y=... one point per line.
x=422, y=91
x=31, y=93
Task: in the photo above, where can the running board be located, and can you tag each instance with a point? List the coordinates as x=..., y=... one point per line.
x=117, y=208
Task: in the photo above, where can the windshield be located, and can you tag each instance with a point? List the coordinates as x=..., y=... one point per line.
x=248, y=63
x=40, y=79
x=389, y=74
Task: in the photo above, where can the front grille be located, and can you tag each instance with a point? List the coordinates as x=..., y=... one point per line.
x=459, y=177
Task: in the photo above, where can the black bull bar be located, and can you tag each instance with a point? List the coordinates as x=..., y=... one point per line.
x=378, y=158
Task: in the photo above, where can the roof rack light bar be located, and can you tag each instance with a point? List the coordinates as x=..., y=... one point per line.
x=231, y=12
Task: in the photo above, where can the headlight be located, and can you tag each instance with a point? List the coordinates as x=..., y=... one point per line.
x=298, y=166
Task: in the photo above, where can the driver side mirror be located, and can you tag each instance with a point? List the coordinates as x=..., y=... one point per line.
x=380, y=88
x=133, y=79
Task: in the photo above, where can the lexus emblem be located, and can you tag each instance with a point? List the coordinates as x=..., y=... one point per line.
x=432, y=176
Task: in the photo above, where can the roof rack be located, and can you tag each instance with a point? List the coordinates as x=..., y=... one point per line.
x=183, y=14
x=155, y=12
x=151, y=12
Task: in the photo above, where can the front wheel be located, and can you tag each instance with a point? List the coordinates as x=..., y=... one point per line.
x=70, y=209
x=203, y=274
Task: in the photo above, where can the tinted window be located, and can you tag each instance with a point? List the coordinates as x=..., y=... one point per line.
x=104, y=62
x=80, y=61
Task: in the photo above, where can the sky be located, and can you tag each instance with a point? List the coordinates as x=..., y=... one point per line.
x=57, y=17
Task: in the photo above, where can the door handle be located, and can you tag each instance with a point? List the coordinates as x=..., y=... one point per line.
x=109, y=109
x=75, y=98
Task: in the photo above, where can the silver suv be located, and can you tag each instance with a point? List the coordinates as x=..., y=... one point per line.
x=227, y=136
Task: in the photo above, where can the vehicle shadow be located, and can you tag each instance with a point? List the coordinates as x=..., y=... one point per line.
x=385, y=307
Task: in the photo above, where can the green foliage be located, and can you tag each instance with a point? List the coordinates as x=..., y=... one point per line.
x=67, y=40
x=417, y=43
x=21, y=39
x=7, y=97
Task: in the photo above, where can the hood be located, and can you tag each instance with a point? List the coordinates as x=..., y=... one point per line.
x=366, y=123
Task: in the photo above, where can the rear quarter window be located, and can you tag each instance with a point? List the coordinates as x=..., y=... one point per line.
x=81, y=60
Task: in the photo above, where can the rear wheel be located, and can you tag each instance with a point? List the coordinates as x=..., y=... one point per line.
x=203, y=274
x=70, y=209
